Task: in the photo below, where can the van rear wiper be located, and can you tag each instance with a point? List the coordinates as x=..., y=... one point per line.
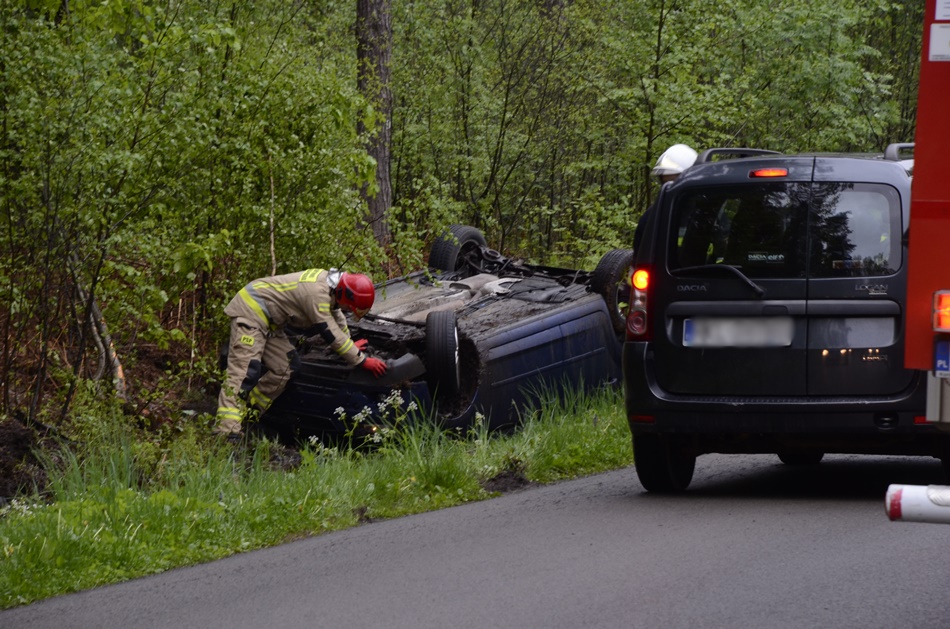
x=734, y=270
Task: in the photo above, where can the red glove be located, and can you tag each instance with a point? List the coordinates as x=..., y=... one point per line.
x=361, y=344
x=375, y=365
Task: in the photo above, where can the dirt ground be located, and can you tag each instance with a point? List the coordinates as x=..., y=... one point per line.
x=20, y=470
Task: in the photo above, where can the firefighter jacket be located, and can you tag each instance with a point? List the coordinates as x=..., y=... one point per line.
x=301, y=300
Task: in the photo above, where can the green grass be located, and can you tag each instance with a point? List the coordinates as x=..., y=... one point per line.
x=114, y=518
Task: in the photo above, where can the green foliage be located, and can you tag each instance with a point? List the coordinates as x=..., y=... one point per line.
x=415, y=219
x=152, y=152
x=124, y=509
x=559, y=443
x=154, y=157
x=543, y=119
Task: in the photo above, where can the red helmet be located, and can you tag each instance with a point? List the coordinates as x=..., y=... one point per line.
x=356, y=292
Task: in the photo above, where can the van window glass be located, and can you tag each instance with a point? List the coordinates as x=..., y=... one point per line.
x=759, y=228
x=856, y=229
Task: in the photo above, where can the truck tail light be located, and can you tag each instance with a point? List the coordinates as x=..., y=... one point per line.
x=638, y=327
x=942, y=311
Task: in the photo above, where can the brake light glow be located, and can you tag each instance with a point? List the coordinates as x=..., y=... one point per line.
x=638, y=328
x=769, y=172
x=941, y=319
x=643, y=419
x=640, y=279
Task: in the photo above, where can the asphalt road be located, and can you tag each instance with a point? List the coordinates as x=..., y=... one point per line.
x=753, y=543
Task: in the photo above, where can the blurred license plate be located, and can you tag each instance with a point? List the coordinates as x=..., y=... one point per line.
x=738, y=332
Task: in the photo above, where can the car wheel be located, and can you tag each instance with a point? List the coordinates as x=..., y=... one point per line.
x=448, y=250
x=663, y=465
x=611, y=280
x=442, y=353
x=801, y=457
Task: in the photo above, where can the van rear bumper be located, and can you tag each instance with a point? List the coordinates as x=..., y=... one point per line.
x=765, y=424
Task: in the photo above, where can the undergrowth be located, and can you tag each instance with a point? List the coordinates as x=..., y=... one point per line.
x=118, y=509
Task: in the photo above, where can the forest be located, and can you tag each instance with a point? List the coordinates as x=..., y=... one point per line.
x=159, y=154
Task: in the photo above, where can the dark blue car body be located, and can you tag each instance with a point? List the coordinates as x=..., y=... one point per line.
x=510, y=331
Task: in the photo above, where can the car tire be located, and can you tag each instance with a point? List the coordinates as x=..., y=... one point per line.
x=663, y=464
x=457, y=239
x=442, y=353
x=801, y=457
x=611, y=280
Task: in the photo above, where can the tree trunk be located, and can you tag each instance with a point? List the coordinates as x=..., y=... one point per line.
x=374, y=36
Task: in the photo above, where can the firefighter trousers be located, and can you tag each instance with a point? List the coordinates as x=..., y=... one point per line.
x=259, y=366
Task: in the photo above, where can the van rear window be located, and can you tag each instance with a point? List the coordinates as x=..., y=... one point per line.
x=856, y=229
x=758, y=228
x=761, y=229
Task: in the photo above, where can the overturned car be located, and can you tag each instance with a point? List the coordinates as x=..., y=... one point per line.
x=476, y=334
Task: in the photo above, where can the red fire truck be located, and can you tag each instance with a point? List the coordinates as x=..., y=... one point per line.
x=928, y=288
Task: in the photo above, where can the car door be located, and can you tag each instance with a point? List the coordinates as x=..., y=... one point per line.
x=732, y=299
x=857, y=283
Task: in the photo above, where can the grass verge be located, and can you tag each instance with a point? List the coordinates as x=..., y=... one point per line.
x=108, y=521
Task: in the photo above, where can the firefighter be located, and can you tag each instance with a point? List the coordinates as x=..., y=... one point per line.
x=311, y=299
x=669, y=166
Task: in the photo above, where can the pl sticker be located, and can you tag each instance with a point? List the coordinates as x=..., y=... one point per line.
x=942, y=359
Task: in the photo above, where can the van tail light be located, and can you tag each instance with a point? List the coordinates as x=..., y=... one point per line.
x=942, y=311
x=638, y=323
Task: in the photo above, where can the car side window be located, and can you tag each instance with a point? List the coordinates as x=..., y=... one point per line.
x=856, y=230
x=757, y=228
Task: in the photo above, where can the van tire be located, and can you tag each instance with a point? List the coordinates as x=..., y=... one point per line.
x=611, y=280
x=457, y=239
x=663, y=464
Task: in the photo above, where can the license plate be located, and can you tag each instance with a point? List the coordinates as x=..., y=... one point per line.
x=942, y=359
x=738, y=332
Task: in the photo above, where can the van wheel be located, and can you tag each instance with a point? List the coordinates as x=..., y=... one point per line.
x=663, y=464
x=801, y=457
x=449, y=249
x=611, y=280
x=442, y=353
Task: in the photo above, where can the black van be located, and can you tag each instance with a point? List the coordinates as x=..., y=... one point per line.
x=767, y=315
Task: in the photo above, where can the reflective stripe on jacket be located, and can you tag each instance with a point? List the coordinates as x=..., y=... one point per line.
x=302, y=300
